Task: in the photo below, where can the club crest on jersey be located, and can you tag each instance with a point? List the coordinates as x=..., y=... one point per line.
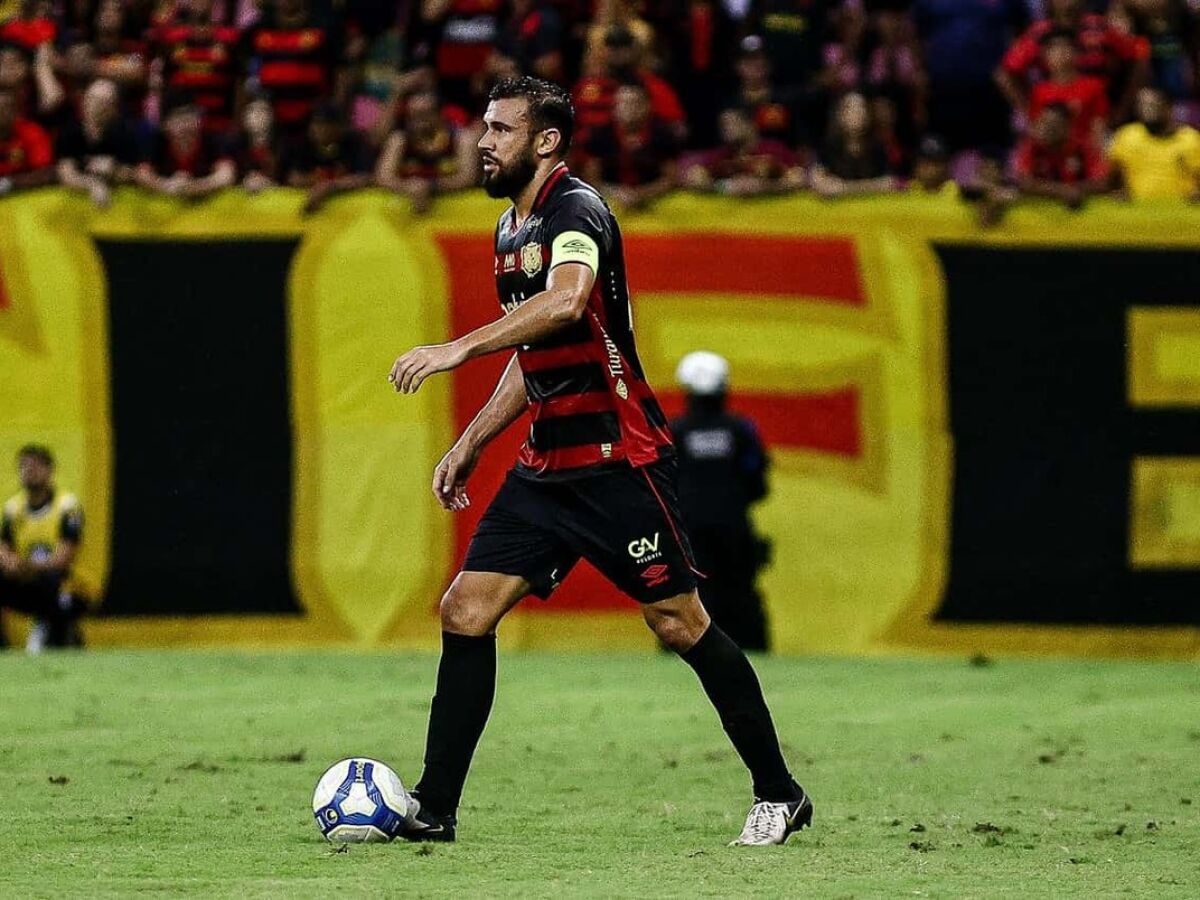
x=531, y=259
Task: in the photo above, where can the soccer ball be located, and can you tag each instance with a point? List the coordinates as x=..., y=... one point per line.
x=361, y=801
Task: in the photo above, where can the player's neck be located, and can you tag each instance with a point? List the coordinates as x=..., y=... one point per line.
x=523, y=202
x=39, y=497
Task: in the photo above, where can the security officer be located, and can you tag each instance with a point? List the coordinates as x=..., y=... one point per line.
x=722, y=472
x=40, y=533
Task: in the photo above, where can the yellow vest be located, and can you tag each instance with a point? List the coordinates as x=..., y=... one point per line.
x=36, y=533
x=1157, y=168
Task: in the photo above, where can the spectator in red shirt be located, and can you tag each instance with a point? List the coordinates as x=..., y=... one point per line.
x=458, y=37
x=432, y=153
x=1084, y=95
x=701, y=44
x=745, y=164
x=26, y=157
x=1120, y=60
x=199, y=60
x=594, y=95
x=255, y=149
x=32, y=27
x=1053, y=162
x=633, y=158
x=184, y=160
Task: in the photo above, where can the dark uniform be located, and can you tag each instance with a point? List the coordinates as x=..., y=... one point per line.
x=722, y=472
x=596, y=477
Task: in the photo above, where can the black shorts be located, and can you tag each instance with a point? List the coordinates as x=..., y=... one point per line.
x=624, y=522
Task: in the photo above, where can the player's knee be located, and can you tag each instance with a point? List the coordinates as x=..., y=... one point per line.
x=679, y=625
x=463, y=614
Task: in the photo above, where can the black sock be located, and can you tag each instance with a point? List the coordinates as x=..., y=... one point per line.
x=731, y=685
x=466, y=685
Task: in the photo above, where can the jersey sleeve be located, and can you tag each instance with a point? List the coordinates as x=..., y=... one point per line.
x=71, y=528
x=578, y=231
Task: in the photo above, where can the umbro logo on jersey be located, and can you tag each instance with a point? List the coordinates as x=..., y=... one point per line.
x=576, y=246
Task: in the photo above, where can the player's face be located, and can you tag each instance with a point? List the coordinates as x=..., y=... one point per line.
x=33, y=472
x=506, y=148
x=1151, y=107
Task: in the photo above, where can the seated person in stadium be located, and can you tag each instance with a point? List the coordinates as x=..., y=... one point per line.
x=746, y=164
x=931, y=170
x=852, y=160
x=773, y=110
x=199, y=58
x=1155, y=157
x=184, y=160
x=632, y=160
x=431, y=154
x=26, y=155
x=1121, y=60
x=298, y=62
x=1053, y=162
x=40, y=531
x=1084, y=95
x=331, y=159
x=30, y=74
x=595, y=95
x=532, y=37
x=255, y=149
x=99, y=150
x=110, y=52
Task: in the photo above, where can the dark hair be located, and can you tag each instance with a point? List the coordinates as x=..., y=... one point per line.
x=549, y=105
x=37, y=451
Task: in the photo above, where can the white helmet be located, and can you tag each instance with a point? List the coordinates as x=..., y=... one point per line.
x=703, y=373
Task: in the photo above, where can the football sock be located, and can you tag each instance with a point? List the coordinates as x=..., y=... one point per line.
x=466, y=685
x=731, y=685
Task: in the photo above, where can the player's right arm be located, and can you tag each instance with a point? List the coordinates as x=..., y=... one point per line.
x=503, y=408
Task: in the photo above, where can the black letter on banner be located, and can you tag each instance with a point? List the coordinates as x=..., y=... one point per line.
x=202, y=438
x=1045, y=438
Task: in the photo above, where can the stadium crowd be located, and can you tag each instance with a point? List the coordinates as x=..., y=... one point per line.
x=990, y=99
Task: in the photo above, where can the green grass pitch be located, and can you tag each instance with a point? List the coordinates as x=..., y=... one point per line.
x=608, y=776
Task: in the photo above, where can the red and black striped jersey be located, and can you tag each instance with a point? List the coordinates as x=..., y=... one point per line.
x=589, y=401
x=295, y=68
x=201, y=63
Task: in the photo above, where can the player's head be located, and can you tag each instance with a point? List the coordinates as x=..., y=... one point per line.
x=704, y=375
x=1152, y=108
x=528, y=122
x=35, y=467
x=1058, y=50
x=14, y=66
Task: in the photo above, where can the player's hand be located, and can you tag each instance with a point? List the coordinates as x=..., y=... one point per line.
x=9, y=561
x=411, y=369
x=450, y=477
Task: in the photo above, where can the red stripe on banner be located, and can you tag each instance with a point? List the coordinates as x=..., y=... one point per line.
x=828, y=421
x=819, y=268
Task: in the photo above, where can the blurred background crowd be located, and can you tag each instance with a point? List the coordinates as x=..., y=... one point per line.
x=990, y=99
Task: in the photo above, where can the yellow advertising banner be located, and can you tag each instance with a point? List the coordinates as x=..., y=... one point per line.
x=832, y=315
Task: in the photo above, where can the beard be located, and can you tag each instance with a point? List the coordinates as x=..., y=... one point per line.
x=508, y=181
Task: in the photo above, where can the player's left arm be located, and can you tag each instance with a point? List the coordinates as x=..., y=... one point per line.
x=563, y=302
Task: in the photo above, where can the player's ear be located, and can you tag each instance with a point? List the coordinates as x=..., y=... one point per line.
x=548, y=142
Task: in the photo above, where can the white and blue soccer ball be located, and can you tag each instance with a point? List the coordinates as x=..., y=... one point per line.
x=360, y=801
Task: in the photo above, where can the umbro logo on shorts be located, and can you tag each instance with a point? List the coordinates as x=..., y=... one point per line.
x=656, y=574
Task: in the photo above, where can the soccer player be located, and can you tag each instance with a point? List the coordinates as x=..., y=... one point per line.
x=595, y=479
x=40, y=531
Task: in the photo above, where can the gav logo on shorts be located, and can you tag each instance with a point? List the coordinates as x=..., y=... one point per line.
x=645, y=548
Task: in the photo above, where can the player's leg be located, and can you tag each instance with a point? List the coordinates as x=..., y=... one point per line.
x=466, y=685
x=510, y=556
x=734, y=691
